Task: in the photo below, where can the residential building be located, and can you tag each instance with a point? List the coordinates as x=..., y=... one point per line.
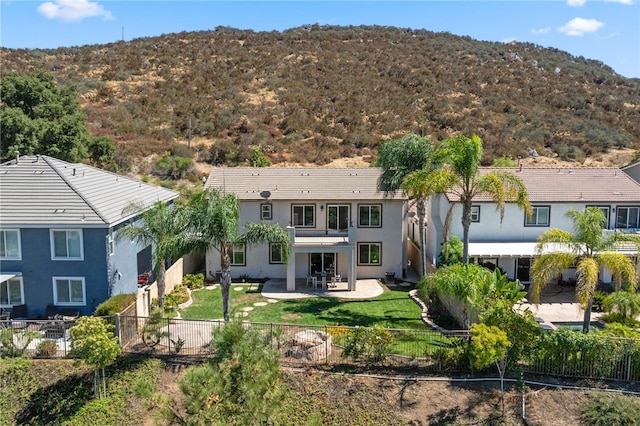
x=338, y=221
x=510, y=243
x=59, y=240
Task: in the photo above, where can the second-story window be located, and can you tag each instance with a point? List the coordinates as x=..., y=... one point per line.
x=265, y=211
x=628, y=217
x=370, y=215
x=475, y=213
x=539, y=216
x=10, y=244
x=303, y=216
x=66, y=244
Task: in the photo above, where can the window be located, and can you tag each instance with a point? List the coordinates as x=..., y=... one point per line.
x=68, y=291
x=475, y=213
x=111, y=247
x=237, y=256
x=10, y=244
x=11, y=292
x=338, y=217
x=369, y=253
x=605, y=211
x=275, y=253
x=303, y=216
x=539, y=216
x=265, y=211
x=370, y=215
x=627, y=217
x=66, y=244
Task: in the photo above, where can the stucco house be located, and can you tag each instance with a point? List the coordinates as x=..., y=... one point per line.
x=552, y=192
x=338, y=221
x=59, y=240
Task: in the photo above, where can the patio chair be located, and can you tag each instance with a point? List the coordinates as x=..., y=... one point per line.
x=335, y=280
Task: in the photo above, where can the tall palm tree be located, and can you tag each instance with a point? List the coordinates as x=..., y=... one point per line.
x=590, y=250
x=214, y=220
x=461, y=178
x=406, y=164
x=161, y=227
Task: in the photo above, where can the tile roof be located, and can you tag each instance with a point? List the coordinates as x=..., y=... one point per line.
x=299, y=183
x=42, y=190
x=581, y=184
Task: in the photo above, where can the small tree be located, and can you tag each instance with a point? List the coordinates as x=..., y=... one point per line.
x=490, y=345
x=241, y=383
x=93, y=340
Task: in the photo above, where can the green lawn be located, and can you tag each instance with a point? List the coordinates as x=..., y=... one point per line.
x=393, y=309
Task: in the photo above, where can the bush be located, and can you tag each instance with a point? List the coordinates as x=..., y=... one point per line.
x=370, y=344
x=46, y=349
x=193, y=281
x=115, y=304
x=605, y=410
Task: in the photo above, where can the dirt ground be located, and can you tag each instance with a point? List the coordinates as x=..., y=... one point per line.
x=436, y=401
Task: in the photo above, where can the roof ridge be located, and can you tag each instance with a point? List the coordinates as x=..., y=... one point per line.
x=73, y=187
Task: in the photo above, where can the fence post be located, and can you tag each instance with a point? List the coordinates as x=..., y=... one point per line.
x=326, y=345
x=117, y=323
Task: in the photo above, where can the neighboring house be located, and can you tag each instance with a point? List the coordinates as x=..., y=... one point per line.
x=58, y=234
x=338, y=220
x=552, y=192
x=633, y=170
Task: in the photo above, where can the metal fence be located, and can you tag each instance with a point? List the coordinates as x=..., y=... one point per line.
x=304, y=345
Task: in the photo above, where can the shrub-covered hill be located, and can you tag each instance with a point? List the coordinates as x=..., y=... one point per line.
x=317, y=93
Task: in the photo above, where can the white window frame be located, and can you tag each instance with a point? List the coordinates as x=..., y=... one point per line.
x=67, y=231
x=6, y=283
x=301, y=222
x=266, y=211
x=236, y=250
x=534, y=217
x=57, y=302
x=272, y=250
x=111, y=243
x=369, y=262
x=368, y=211
x=475, y=214
x=3, y=236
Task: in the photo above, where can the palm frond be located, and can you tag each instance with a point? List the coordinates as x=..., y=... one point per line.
x=587, y=271
x=621, y=267
x=546, y=266
x=263, y=233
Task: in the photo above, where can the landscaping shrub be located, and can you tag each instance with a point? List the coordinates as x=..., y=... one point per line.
x=606, y=410
x=46, y=349
x=193, y=281
x=115, y=304
x=369, y=344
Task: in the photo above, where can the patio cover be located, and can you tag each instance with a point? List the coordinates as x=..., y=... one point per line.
x=502, y=249
x=525, y=249
x=6, y=276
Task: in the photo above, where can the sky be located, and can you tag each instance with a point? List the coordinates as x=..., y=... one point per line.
x=603, y=30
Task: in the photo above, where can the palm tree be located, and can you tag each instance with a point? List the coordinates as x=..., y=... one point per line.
x=406, y=164
x=462, y=179
x=590, y=250
x=161, y=227
x=214, y=220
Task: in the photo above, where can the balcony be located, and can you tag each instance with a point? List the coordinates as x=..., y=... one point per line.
x=324, y=238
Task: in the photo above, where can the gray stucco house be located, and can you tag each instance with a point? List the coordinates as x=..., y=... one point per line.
x=59, y=224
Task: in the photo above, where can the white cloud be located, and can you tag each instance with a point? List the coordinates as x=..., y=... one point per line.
x=580, y=26
x=73, y=10
x=538, y=31
x=576, y=3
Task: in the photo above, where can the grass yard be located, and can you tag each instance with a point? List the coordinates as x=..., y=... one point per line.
x=392, y=309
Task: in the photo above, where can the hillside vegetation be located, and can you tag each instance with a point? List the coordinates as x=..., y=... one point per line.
x=318, y=93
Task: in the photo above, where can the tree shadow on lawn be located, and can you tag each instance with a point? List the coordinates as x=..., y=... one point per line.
x=63, y=399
